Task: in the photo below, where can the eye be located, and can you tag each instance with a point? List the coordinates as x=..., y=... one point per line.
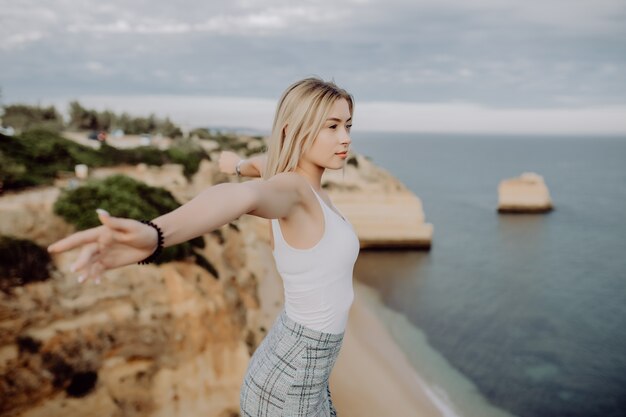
x=333, y=127
x=348, y=127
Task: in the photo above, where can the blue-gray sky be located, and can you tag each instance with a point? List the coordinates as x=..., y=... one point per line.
x=497, y=57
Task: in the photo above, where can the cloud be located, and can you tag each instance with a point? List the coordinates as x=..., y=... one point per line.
x=98, y=68
x=23, y=23
x=19, y=40
x=497, y=53
x=569, y=17
x=246, y=21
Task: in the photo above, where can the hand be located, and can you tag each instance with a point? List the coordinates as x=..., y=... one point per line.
x=116, y=243
x=228, y=161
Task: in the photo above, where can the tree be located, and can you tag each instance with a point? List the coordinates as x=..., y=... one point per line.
x=24, y=117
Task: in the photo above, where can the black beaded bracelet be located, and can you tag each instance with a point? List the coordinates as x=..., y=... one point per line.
x=159, y=248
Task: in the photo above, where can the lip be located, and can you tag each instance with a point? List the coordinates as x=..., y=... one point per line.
x=342, y=154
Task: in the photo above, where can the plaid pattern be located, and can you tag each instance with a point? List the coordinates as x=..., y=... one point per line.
x=288, y=373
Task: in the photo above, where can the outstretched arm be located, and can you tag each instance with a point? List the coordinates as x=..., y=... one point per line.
x=120, y=241
x=212, y=208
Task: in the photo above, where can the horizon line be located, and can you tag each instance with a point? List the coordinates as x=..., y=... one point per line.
x=455, y=117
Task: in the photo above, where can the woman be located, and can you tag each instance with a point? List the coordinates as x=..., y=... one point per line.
x=314, y=247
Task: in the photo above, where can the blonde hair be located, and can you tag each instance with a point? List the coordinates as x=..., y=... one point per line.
x=300, y=115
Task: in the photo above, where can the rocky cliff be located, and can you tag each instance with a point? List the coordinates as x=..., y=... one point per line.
x=172, y=340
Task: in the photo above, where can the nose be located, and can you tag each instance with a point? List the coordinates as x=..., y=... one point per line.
x=345, y=136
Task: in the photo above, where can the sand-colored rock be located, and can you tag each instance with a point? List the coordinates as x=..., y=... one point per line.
x=527, y=193
x=175, y=340
x=28, y=215
x=170, y=340
x=384, y=213
x=167, y=340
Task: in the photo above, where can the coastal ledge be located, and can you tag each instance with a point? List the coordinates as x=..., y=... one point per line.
x=146, y=331
x=383, y=211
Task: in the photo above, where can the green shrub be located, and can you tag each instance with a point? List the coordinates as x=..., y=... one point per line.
x=34, y=157
x=24, y=117
x=89, y=119
x=188, y=154
x=81, y=118
x=149, y=155
x=123, y=196
x=21, y=262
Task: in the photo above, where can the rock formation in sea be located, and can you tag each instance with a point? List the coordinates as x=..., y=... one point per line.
x=527, y=193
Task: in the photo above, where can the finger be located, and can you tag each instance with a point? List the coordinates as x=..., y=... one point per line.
x=116, y=229
x=118, y=235
x=95, y=271
x=85, y=257
x=74, y=240
x=116, y=223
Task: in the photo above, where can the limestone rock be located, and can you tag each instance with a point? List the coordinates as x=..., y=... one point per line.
x=169, y=340
x=28, y=215
x=148, y=341
x=381, y=209
x=527, y=193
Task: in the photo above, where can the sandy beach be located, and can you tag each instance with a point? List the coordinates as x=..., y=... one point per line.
x=372, y=376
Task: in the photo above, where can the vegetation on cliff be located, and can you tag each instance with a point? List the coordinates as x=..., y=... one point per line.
x=35, y=157
x=123, y=196
x=38, y=152
x=23, y=117
x=89, y=119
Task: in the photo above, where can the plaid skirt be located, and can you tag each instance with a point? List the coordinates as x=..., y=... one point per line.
x=288, y=373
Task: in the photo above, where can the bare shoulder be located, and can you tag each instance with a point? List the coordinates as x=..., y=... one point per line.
x=279, y=195
x=289, y=178
x=283, y=181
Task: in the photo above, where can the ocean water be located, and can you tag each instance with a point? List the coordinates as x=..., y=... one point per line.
x=529, y=310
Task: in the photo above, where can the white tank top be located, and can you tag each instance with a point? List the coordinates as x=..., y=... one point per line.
x=318, y=280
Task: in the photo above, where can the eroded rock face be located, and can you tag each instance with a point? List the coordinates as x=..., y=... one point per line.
x=167, y=340
x=159, y=341
x=527, y=193
x=162, y=341
x=28, y=215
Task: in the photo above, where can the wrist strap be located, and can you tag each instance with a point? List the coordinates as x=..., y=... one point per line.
x=159, y=248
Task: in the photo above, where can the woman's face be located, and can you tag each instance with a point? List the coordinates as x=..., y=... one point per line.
x=334, y=137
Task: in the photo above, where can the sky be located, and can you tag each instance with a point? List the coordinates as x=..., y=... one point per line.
x=550, y=66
